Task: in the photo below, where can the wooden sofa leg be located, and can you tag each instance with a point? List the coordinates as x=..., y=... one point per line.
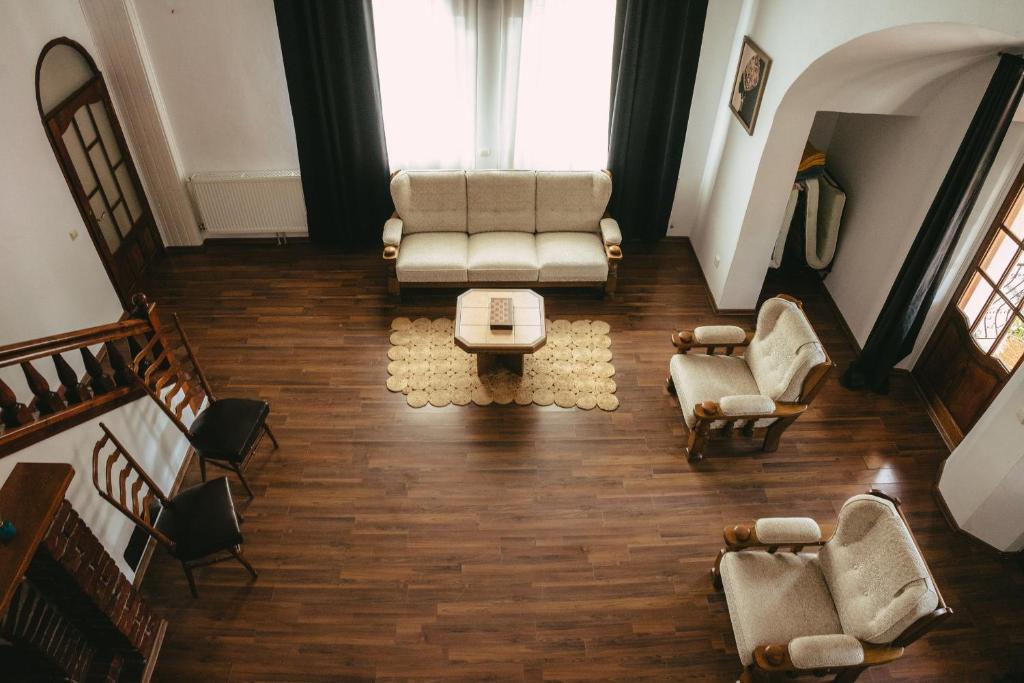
x=394, y=289
x=612, y=283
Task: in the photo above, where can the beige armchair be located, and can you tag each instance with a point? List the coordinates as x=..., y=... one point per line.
x=857, y=602
x=765, y=390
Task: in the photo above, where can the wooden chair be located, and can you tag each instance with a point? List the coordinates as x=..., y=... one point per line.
x=857, y=602
x=765, y=390
x=227, y=432
x=198, y=526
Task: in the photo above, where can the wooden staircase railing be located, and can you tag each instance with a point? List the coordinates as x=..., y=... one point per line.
x=108, y=381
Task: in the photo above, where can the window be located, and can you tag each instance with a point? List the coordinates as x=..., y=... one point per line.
x=495, y=83
x=991, y=302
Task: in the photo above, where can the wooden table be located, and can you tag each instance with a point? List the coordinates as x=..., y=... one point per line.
x=495, y=347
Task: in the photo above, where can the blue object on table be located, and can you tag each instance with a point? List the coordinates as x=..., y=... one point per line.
x=7, y=530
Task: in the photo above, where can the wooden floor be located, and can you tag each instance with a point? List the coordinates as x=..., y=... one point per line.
x=518, y=543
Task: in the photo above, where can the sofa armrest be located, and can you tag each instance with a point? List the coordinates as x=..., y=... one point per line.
x=805, y=653
x=786, y=530
x=392, y=232
x=610, y=232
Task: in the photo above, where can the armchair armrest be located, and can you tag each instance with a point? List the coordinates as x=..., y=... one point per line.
x=392, y=231
x=610, y=232
x=787, y=530
x=719, y=334
x=772, y=532
x=711, y=336
x=751, y=404
x=811, y=653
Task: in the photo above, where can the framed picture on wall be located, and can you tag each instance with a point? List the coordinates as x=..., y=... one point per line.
x=748, y=88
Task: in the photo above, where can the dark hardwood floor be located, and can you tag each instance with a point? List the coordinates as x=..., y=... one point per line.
x=519, y=543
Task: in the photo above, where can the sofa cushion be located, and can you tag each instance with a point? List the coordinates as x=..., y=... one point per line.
x=502, y=257
x=878, y=579
x=433, y=257
x=571, y=257
x=783, y=350
x=501, y=201
x=775, y=597
x=430, y=201
x=572, y=200
x=699, y=377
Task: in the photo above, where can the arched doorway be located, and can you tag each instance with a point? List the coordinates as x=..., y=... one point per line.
x=86, y=137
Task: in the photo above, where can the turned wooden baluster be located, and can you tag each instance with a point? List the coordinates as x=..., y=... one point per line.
x=47, y=401
x=14, y=414
x=74, y=392
x=98, y=380
x=134, y=347
x=122, y=374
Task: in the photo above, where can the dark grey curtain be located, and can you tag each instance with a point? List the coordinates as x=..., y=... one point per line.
x=657, y=45
x=330, y=61
x=903, y=313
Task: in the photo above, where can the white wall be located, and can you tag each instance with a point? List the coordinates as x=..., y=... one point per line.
x=51, y=282
x=221, y=76
x=983, y=478
x=872, y=56
x=54, y=284
x=709, y=91
x=891, y=168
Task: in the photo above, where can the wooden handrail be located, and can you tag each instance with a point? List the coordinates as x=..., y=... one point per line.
x=20, y=352
x=108, y=381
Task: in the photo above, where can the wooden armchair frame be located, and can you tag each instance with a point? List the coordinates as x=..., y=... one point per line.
x=136, y=503
x=775, y=659
x=159, y=369
x=709, y=412
x=613, y=252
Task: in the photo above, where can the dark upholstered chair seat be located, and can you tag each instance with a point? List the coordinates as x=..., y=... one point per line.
x=201, y=520
x=228, y=428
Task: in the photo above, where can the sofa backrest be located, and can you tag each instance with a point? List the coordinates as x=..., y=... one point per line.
x=501, y=200
x=430, y=201
x=783, y=350
x=878, y=579
x=485, y=201
x=573, y=201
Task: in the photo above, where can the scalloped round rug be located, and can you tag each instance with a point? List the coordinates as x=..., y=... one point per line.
x=573, y=370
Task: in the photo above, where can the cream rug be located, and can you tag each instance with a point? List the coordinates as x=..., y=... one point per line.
x=573, y=369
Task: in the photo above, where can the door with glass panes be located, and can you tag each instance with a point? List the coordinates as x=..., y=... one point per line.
x=90, y=147
x=979, y=342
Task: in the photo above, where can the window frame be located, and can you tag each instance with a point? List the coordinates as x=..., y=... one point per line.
x=1012, y=208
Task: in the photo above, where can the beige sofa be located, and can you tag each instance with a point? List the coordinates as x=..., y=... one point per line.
x=501, y=228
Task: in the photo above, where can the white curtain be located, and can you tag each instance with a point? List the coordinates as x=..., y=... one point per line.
x=426, y=59
x=564, y=84
x=495, y=83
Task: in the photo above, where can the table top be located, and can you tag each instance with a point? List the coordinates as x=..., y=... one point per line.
x=473, y=332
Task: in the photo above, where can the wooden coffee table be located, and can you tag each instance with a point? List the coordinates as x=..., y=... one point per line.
x=495, y=347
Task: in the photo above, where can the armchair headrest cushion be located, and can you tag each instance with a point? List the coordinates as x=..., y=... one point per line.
x=878, y=579
x=783, y=350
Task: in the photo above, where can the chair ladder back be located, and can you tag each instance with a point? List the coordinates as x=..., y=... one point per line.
x=135, y=502
x=192, y=359
x=163, y=375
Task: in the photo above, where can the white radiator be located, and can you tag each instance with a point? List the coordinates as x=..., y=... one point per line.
x=249, y=203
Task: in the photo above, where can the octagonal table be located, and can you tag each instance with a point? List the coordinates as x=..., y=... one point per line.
x=495, y=347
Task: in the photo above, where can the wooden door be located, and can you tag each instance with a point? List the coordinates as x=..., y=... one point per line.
x=979, y=341
x=90, y=147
